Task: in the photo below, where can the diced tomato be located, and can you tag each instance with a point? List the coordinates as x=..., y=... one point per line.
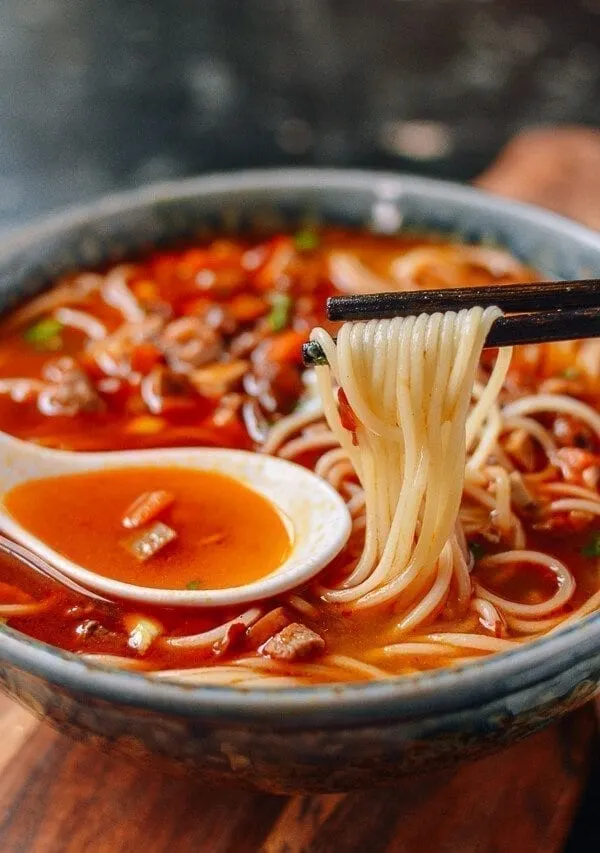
x=221, y=283
x=230, y=434
x=191, y=262
x=90, y=367
x=146, y=425
x=147, y=507
x=286, y=347
x=145, y=290
x=268, y=625
x=281, y=389
x=145, y=357
x=347, y=416
x=245, y=307
x=115, y=392
x=163, y=267
x=224, y=254
x=282, y=252
x=10, y=594
x=196, y=307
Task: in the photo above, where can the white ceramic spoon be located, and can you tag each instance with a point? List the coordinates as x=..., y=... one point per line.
x=319, y=521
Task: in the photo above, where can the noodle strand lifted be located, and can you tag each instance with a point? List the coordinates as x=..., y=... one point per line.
x=409, y=382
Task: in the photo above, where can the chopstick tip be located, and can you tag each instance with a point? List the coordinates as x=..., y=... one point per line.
x=313, y=355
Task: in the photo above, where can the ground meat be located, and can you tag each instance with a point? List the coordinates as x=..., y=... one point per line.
x=243, y=345
x=228, y=409
x=89, y=628
x=570, y=432
x=189, y=342
x=277, y=387
x=114, y=354
x=520, y=447
x=164, y=391
x=69, y=390
x=573, y=462
x=220, y=319
x=294, y=642
x=564, y=523
x=215, y=380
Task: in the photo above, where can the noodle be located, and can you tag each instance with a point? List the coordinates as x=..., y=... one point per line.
x=410, y=392
x=554, y=403
x=8, y=611
x=82, y=321
x=301, y=445
x=569, y=504
x=564, y=578
x=472, y=641
x=117, y=294
x=287, y=427
x=208, y=638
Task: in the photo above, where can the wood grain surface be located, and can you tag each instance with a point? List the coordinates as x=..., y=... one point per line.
x=61, y=797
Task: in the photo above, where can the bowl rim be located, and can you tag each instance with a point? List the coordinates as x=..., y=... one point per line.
x=444, y=690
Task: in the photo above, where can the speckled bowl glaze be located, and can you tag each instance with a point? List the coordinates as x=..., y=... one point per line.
x=322, y=738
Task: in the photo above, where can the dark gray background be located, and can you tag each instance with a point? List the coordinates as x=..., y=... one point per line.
x=97, y=95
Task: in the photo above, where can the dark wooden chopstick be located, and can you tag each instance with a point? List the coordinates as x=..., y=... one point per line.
x=549, y=295
x=533, y=328
x=544, y=327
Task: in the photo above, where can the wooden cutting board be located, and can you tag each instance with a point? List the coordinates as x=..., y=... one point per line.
x=61, y=797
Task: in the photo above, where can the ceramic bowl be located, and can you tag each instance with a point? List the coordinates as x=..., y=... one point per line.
x=323, y=738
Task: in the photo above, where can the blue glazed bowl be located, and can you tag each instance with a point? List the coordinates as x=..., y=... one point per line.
x=323, y=738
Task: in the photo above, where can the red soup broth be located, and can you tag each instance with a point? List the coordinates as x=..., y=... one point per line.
x=225, y=534
x=214, y=359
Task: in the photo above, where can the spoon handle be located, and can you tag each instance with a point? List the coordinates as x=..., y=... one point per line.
x=13, y=549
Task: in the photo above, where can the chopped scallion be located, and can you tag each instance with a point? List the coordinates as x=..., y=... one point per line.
x=194, y=585
x=279, y=316
x=592, y=547
x=45, y=334
x=306, y=240
x=570, y=373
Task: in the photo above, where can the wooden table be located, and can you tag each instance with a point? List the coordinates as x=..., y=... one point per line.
x=61, y=797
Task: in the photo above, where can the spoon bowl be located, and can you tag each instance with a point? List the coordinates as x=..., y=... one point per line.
x=315, y=515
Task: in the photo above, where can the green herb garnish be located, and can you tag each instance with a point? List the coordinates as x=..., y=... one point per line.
x=306, y=240
x=281, y=310
x=45, y=334
x=570, y=373
x=592, y=547
x=194, y=585
x=477, y=550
